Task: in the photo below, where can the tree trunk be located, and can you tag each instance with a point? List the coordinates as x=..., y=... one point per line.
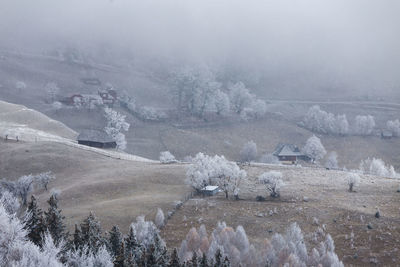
x=226, y=194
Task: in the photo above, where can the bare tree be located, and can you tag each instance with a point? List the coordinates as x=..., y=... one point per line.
x=272, y=181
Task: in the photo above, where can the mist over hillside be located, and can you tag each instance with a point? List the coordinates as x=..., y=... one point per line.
x=199, y=133
x=281, y=49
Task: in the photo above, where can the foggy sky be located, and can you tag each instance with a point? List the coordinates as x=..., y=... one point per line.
x=352, y=42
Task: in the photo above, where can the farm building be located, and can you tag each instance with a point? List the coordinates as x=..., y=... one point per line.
x=210, y=190
x=385, y=134
x=289, y=153
x=96, y=138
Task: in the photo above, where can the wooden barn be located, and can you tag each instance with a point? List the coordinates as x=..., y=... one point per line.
x=289, y=153
x=96, y=138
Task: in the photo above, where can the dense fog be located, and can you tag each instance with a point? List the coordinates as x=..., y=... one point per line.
x=281, y=45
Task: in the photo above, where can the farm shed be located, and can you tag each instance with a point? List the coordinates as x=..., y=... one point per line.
x=96, y=138
x=210, y=190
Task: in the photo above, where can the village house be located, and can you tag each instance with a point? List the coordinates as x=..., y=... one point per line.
x=289, y=153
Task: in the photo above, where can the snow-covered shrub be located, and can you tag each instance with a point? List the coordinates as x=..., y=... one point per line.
x=377, y=167
x=314, y=149
x=394, y=127
x=248, y=152
x=272, y=181
x=364, y=125
x=269, y=159
x=331, y=161
x=20, y=85
x=352, y=180
x=166, y=157
x=159, y=219
x=150, y=114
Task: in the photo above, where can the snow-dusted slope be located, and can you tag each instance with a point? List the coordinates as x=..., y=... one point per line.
x=28, y=125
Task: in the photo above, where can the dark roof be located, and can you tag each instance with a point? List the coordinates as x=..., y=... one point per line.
x=95, y=136
x=287, y=150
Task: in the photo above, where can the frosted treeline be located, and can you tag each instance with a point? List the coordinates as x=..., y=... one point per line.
x=196, y=91
x=377, y=167
x=288, y=249
x=320, y=121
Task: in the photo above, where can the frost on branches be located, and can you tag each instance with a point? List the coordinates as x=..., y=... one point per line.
x=281, y=250
x=320, y=121
x=115, y=125
x=394, y=127
x=272, y=181
x=248, y=152
x=206, y=170
x=166, y=157
x=314, y=149
x=377, y=167
x=364, y=125
x=352, y=181
x=331, y=162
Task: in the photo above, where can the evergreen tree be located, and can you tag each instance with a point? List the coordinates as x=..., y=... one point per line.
x=218, y=259
x=132, y=247
x=203, y=261
x=34, y=223
x=226, y=262
x=174, y=261
x=91, y=233
x=119, y=256
x=115, y=241
x=160, y=252
x=150, y=257
x=54, y=221
x=77, y=240
x=193, y=262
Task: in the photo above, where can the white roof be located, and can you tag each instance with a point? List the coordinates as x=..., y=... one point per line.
x=210, y=188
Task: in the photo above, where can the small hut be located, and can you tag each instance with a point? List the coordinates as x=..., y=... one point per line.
x=96, y=138
x=210, y=190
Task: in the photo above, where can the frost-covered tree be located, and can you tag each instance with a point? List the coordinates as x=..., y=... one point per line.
x=54, y=221
x=352, y=180
x=43, y=179
x=24, y=186
x=248, y=152
x=159, y=219
x=9, y=202
x=240, y=97
x=314, y=149
x=364, y=125
x=16, y=250
x=269, y=159
x=166, y=157
x=34, y=222
x=272, y=181
x=377, y=167
x=20, y=85
x=132, y=247
x=222, y=103
x=85, y=258
x=115, y=125
x=144, y=231
x=320, y=121
x=206, y=170
x=394, y=127
x=115, y=241
x=193, y=90
x=331, y=162
x=52, y=90
x=92, y=233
